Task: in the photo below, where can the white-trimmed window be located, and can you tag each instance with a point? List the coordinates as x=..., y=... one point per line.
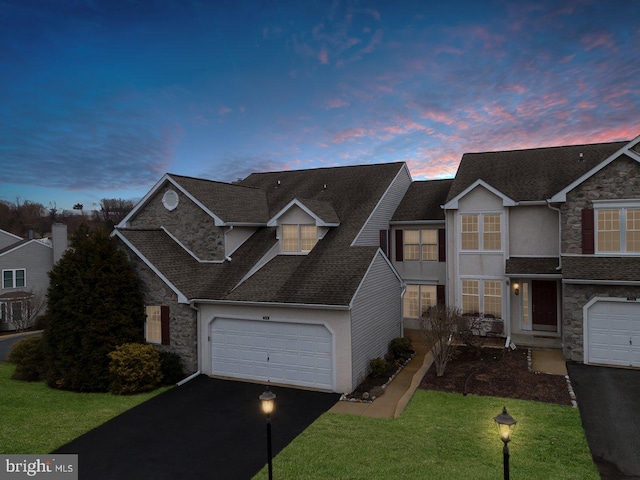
x=16, y=278
x=417, y=299
x=482, y=297
x=299, y=238
x=421, y=245
x=618, y=230
x=481, y=231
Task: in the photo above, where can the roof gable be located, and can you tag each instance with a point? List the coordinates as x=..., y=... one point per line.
x=322, y=212
x=506, y=201
x=630, y=150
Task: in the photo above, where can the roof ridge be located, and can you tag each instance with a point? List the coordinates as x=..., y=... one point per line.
x=549, y=147
x=230, y=184
x=338, y=167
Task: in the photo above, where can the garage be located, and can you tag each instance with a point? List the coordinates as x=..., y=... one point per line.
x=613, y=333
x=280, y=352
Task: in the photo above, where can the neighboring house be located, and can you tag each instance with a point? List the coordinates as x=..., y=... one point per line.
x=544, y=245
x=279, y=277
x=25, y=265
x=418, y=247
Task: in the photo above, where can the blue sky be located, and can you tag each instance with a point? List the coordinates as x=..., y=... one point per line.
x=100, y=98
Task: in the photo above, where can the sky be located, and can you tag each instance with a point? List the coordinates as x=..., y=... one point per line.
x=100, y=98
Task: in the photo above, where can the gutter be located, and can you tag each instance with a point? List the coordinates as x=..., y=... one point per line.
x=189, y=378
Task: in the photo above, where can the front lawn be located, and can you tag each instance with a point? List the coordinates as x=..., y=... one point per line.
x=37, y=419
x=441, y=436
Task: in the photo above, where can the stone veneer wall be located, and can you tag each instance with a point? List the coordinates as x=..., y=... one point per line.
x=619, y=180
x=188, y=223
x=182, y=318
x=575, y=298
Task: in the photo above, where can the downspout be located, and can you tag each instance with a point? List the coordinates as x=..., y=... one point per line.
x=404, y=289
x=199, y=371
x=559, y=267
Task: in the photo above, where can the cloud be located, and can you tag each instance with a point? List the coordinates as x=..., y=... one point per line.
x=334, y=103
x=238, y=166
x=222, y=111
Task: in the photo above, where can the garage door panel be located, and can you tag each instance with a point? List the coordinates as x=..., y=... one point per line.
x=290, y=353
x=614, y=333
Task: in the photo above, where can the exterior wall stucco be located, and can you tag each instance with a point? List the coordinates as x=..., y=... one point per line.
x=415, y=271
x=191, y=225
x=533, y=231
x=336, y=321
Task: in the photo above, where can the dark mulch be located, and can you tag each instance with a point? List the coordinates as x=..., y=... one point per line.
x=499, y=373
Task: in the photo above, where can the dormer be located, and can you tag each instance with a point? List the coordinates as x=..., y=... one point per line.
x=301, y=223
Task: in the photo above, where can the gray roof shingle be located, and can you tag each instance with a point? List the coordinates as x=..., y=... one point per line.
x=601, y=268
x=534, y=174
x=532, y=266
x=423, y=201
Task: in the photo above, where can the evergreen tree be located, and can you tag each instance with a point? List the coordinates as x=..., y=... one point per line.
x=94, y=304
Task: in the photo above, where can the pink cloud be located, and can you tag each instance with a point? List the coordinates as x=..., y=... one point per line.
x=335, y=103
x=224, y=111
x=597, y=39
x=350, y=134
x=323, y=56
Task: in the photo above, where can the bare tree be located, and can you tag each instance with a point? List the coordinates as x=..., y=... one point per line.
x=112, y=210
x=24, y=308
x=439, y=326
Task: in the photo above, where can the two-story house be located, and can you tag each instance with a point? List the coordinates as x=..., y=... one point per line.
x=25, y=266
x=278, y=277
x=544, y=245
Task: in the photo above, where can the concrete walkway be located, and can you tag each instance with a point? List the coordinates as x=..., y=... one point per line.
x=398, y=392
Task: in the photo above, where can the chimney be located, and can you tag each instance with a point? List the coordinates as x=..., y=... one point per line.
x=59, y=240
x=30, y=234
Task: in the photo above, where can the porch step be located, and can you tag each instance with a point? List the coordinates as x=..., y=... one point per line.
x=543, y=341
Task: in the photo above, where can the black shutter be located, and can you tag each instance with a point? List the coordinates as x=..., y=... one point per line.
x=384, y=245
x=440, y=298
x=588, y=231
x=442, y=245
x=399, y=246
x=164, y=324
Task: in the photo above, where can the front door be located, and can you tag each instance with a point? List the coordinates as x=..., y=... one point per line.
x=544, y=305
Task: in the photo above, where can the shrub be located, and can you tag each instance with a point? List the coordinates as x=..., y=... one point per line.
x=42, y=321
x=400, y=347
x=28, y=355
x=171, y=367
x=378, y=366
x=134, y=368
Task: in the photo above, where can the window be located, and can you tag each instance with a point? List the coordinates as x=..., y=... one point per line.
x=299, y=238
x=618, y=230
x=417, y=299
x=481, y=232
x=156, y=329
x=421, y=245
x=470, y=232
x=14, y=278
x=482, y=297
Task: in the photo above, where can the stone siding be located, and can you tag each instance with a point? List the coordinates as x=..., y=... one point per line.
x=182, y=318
x=575, y=298
x=618, y=180
x=191, y=225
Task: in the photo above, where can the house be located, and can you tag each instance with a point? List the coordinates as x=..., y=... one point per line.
x=25, y=265
x=276, y=278
x=417, y=247
x=544, y=246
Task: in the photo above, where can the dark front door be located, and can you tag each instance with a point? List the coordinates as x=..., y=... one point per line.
x=545, y=305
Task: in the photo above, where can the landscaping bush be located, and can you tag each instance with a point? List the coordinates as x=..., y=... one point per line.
x=28, y=355
x=400, y=347
x=42, y=322
x=95, y=304
x=378, y=366
x=134, y=368
x=171, y=367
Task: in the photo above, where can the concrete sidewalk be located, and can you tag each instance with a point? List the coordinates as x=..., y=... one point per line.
x=398, y=392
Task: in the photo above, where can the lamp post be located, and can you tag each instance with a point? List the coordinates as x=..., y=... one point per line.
x=268, y=404
x=505, y=423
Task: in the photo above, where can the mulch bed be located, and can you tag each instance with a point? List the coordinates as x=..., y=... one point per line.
x=499, y=373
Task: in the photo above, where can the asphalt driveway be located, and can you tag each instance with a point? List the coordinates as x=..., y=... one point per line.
x=609, y=403
x=207, y=428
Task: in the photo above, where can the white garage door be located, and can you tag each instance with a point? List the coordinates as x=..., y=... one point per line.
x=614, y=333
x=286, y=353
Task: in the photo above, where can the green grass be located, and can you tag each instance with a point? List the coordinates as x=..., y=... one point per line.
x=441, y=436
x=37, y=419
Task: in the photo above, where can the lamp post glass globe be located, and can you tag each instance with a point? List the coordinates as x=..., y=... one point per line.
x=267, y=401
x=505, y=423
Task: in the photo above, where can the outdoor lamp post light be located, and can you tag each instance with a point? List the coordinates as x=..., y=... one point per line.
x=267, y=402
x=505, y=423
